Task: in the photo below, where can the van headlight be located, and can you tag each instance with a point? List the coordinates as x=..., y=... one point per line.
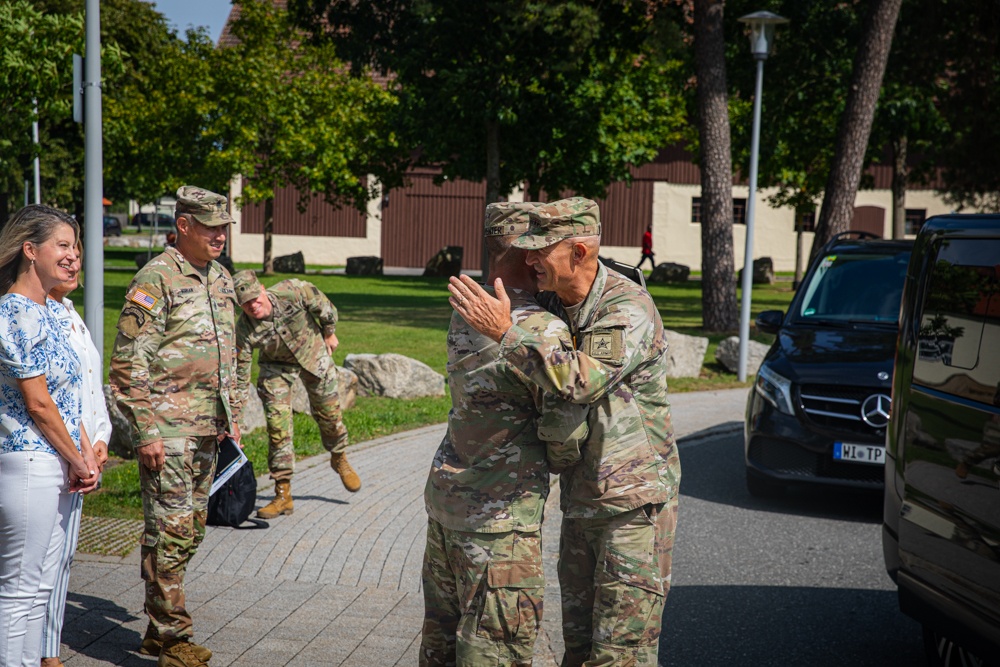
x=776, y=389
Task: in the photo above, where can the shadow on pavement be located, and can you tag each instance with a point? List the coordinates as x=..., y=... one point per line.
x=714, y=470
x=754, y=625
x=95, y=627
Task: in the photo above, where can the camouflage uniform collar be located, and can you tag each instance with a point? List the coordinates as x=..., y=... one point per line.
x=188, y=269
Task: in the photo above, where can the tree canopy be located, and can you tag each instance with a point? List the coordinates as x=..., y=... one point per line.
x=288, y=113
x=562, y=96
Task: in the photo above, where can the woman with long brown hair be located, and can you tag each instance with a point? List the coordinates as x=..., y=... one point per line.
x=44, y=450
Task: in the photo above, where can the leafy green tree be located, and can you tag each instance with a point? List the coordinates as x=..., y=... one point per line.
x=35, y=52
x=560, y=96
x=288, y=113
x=156, y=101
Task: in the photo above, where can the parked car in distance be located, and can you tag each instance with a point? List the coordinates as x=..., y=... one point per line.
x=820, y=404
x=164, y=221
x=941, y=529
x=112, y=226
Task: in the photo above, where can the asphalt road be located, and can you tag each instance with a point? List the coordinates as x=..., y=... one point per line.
x=794, y=581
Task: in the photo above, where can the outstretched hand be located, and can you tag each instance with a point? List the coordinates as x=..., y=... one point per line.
x=487, y=315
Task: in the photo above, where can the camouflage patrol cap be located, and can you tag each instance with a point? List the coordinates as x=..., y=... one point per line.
x=558, y=220
x=507, y=218
x=247, y=286
x=203, y=205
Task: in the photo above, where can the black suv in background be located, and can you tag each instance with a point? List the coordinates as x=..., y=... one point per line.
x=941, y=532
x=820, y=404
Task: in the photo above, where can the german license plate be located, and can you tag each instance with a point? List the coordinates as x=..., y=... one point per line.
x=846, y=451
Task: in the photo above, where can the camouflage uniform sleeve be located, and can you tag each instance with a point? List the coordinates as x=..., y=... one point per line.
x=244, y=362
x=141, y=328
x=562, y=425
x=619, y=339
x=320, y=307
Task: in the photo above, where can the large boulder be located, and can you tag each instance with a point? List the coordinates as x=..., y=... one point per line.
x=394, y=376
x=294, y=263
x=446, y=263
x=685, y=355
x=367, y=265
x=728, y=354
x=669, y=272
x=763, y=272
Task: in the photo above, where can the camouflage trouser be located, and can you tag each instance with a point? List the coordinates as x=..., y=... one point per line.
x=615, y=575
x=175, y=506
x=482, y=597
x=274, y=386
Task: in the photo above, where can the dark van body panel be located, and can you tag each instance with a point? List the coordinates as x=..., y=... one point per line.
x=941, y=534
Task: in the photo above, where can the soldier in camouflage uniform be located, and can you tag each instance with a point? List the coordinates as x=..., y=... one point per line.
x=482, y=573
x=620, y=503
x=171, y=373
x=293, y=325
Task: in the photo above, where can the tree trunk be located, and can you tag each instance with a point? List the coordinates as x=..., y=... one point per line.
x=718, y=284
x=899, y=187
x=5, y=211
x=856, y=122
x=492, y=177
x=268, y=235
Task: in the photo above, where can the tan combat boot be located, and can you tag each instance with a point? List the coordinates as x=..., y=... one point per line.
x=282, y=503
x=180, y=654
x=152, y=645
x=338, y=461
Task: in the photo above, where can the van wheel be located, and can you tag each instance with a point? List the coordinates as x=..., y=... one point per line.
x=761, y=487
x=944, y=652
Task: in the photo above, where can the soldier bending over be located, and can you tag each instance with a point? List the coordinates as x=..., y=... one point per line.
x=293, y=325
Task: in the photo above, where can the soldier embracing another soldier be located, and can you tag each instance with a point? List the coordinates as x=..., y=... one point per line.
x=620, y=502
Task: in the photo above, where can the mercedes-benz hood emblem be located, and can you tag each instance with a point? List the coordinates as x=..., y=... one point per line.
x=875, y=410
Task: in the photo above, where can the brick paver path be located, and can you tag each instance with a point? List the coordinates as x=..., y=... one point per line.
x=336, y=583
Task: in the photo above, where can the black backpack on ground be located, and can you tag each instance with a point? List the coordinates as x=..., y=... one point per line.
x=232, y=504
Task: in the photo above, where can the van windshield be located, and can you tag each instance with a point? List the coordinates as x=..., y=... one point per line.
x=854, y=288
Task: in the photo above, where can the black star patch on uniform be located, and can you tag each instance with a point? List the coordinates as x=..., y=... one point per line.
x=605, y=344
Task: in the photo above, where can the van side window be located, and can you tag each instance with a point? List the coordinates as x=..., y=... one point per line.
x=958, y=344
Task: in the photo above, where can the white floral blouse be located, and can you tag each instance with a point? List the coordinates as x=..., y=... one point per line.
x=32, y=343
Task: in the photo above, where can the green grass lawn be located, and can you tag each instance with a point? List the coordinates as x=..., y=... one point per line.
x=407, y=315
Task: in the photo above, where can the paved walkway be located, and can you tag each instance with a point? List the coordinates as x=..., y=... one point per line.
x=336, y=583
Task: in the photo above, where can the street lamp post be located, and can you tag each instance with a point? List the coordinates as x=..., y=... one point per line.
x=761, y=36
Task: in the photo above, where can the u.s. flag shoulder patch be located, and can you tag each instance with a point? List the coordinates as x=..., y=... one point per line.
x=143, y=298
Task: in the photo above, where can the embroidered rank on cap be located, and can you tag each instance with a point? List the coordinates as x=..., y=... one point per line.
x=605, y=344
x=144, y=299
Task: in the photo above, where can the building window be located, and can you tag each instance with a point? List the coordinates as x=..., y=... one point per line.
x=739, y=211
x=915, y=220
x=805, y=222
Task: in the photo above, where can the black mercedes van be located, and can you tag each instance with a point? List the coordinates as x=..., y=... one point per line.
x=941, y=530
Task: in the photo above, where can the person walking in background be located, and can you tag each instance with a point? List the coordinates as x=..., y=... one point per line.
x=647, y=248
x=482, y=572
x=45, y=456
x=294, y=326
x=620, y=503
x=97, y=423
x=172, y=373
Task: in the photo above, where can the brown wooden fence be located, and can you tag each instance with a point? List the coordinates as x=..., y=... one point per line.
x=318, y=219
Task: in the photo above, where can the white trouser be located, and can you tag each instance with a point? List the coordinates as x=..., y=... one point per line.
x=70, y=510
x=31, y=539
